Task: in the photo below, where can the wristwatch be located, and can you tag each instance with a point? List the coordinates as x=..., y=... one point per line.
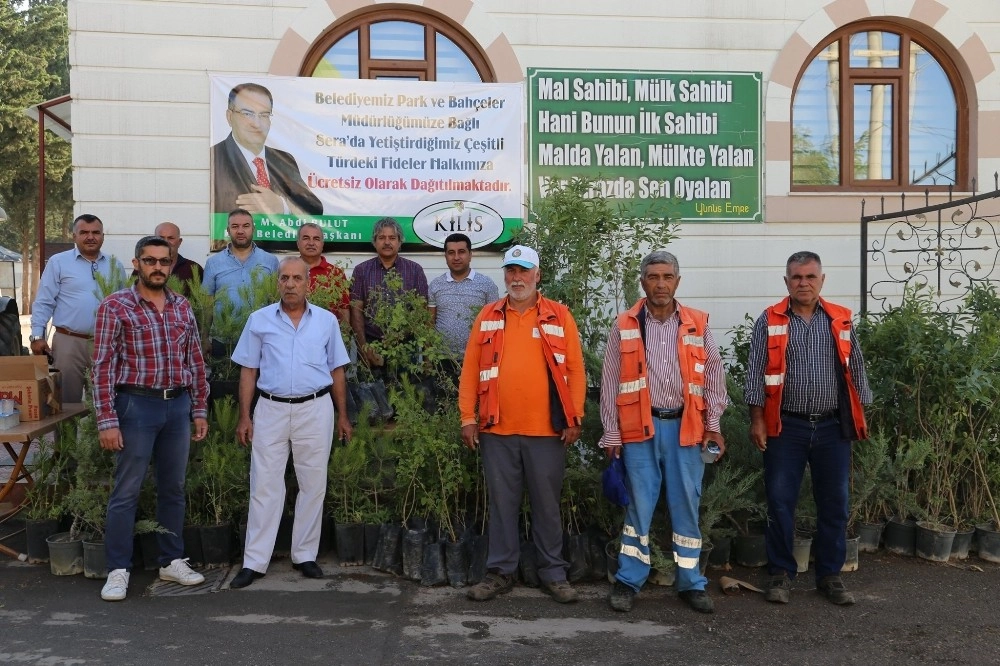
x=35, y=338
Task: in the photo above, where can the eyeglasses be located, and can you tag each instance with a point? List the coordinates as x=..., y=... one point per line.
x=93, y=269
x=152, y=261
x=250, y=115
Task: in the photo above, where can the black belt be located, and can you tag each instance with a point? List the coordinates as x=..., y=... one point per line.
x=163, y=394
x=297, y=399
x=667, y=414
x=812, y=418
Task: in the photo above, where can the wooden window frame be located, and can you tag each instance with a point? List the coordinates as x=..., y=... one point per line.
x=898, y=77
x=369, y=67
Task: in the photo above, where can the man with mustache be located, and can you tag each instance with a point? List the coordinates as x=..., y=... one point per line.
x=806, y=387
x=368, y=287
x=239, y=262
x=322, y=273
x=521, y=398
x=68, y=295
x=663, y=392
x=149, y=384
x=293, y=356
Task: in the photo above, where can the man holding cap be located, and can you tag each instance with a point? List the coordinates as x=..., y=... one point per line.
x=523, y=372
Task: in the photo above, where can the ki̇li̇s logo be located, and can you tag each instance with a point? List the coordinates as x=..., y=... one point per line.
x=479, y=222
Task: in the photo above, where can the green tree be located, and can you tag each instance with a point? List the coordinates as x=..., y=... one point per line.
x=34, y=66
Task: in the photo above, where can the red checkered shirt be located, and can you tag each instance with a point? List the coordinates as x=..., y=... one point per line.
x=136, y=344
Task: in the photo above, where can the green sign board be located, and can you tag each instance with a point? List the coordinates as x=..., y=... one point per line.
x=683, y=144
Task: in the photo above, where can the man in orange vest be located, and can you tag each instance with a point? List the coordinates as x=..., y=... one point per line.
x=663, y=391
x=523, y=373
x=806, y=387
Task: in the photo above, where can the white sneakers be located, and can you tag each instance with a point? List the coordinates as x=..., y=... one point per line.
x=178, y=571
x=117, y=585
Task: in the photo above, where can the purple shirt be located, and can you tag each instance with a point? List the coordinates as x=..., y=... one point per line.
x=367, y=283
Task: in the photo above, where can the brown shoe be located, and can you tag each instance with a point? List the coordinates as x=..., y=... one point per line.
x=560, y=590
x=495, y=583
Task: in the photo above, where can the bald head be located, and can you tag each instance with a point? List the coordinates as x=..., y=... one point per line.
x=171, y=233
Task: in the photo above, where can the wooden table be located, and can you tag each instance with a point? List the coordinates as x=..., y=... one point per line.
x=23, y=435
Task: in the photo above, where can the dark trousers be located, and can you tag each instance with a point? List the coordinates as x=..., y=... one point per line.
x=828, y=454
x=511, y=463
x=154, y=430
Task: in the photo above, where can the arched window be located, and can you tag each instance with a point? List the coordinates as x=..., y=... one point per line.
x=879, y=106
x=397, y=44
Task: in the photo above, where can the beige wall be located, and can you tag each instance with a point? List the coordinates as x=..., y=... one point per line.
x=140, y=106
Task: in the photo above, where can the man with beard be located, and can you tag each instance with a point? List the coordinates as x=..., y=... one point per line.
x=524, y=376
x=456, y=297
x=149, y=383
x=368, y=288
x=240, y=262
x=67, y=294
x=293, y=355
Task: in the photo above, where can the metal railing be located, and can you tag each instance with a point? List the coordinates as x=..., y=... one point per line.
x=948, y=247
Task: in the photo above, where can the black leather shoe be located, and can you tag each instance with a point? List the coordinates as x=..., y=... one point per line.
x=244, y=577
x=309, y=569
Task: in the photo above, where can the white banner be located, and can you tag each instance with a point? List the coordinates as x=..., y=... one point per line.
x=438, y=157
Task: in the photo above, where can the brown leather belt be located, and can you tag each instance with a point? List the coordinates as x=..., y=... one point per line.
x=73, y=334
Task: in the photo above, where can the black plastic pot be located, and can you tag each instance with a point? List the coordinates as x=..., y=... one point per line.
x=869, y=536
x=933, y=541
x=721, y=548
x=528, y=564
x=900, y=536
x=392, y=542
x=216, y=543
x=413, y=552
x=432, y=571
x=351, y=544
x=192, y=545
x=36, y=532
x=988, y=542
x=479, y=547
x=706, y=551
x=962, y=544
x=372, y=532
x=65, y=554
x=456, y=562
x=150, y=551
x=750, y=550
x=94, y=563
x=575, y=547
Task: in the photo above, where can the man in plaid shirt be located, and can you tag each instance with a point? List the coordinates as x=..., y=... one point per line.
x=149, y=384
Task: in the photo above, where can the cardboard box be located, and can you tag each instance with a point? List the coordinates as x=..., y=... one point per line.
x=27, y=380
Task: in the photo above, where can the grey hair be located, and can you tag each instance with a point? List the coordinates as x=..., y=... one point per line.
x=659, y=257
x=311, y=225
x=293, y=258
x=384, y=223
x=803, y=257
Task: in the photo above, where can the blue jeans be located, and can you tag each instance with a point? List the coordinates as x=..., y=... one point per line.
x=662, y=461
x=828, y=455
x=154, y=430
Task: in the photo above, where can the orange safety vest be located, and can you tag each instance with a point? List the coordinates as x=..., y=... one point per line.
x=552, y=317
x=635, y=412
x=774, y=373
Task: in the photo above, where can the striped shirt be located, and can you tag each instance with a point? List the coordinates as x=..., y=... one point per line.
x=663, y=375
x=136, y=344
x=811, y=385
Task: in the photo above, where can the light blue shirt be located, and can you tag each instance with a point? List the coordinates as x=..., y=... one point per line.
x=68, y=292
x=292, y=361
x=224, y=271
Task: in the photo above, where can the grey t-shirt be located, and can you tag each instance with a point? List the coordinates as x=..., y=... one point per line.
x=458, y=303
